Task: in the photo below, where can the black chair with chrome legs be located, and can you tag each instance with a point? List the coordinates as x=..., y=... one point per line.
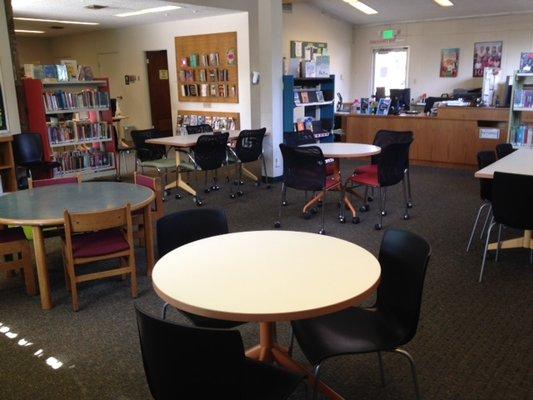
x=484, y=159
x=512, y=197
x=504, y=149
x=392, y=322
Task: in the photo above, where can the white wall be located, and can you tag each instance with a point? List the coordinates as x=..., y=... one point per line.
x=425, y=41
x=308, y=23
x=34, y=50
x=131, y=43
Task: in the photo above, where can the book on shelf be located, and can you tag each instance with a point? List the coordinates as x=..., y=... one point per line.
x=204, y=60
x=38, y=72
x=213, y=75
x=313, y=97
x=202, y=76
x=193, y=60
x=322, y=66
x=85, y=73
x=523, y=135
x=75, y=160
x=297, y=98
x=217, y=123
x=213, y=90
x=72, y=68
x=214, y=60
x=184, y=63
x=305, y=97
x=181, y=75
x=62, y=73
x=319, y=96
x=78, y=132
x=232, y=91
x=50, y=73
x=523, y=98
x=204, y=90
x=222, y=90
x=308, y=69
x=365, y=106
x=87, y=98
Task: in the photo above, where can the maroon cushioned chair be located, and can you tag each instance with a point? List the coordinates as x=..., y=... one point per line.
x=13, y=243
x=53, y=181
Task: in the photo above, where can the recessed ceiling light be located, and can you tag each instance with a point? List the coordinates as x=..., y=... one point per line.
x=148, y=11
x=361, y=6
x=27, y=31
x=444, y=3
x=55, y=21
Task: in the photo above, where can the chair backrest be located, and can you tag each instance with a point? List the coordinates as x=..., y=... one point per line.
x=146, y=151
x=504, y=149
x=512, y=200
x=304, y=168
x=210, y=151
x=484, y=159
x=294, y=139
x=179, y=228
x=181, y=360
x=392, y=163
x=53, y=181
x=153, y=183
x=404, y=258
x=28, y=148
x=384, y=137
x=202, y=128
x=249, y=146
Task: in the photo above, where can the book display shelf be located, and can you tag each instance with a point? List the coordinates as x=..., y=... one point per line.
x=219, y=121
x=74, y=120
x=8, y=179
x=308, y=104
x=521, y=111
x=207, y=68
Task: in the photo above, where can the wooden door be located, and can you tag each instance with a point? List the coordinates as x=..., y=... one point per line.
x=159, y=89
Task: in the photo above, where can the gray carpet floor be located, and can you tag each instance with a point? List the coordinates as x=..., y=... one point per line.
x=473, y=342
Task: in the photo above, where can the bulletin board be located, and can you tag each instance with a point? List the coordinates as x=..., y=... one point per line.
x=306, y=50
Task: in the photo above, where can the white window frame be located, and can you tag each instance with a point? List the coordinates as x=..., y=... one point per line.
x=389, y=48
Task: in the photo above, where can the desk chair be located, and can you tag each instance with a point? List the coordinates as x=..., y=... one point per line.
x=13, y=243
x=29, y=154
x=512, y=197
x=202, y=128
x=184, y=362
x=504, y=149
x=393, y=320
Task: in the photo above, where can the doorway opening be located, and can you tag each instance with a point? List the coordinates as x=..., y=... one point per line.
x=159, y=90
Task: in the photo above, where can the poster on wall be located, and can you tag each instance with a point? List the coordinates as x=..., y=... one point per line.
x=449, y=63
x=3, y=116
x=308, y=50
x=526, y=62
x=486, y=54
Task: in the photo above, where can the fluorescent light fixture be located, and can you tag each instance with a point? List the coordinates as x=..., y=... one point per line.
x=57, y=21
x=148, y=11
x=27, y=31
x=361, y=6
x=444, y=3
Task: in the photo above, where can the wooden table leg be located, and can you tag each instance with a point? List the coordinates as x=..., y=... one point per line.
x=525, y=242
x=42, y=270
x=149, y=239
x=179, y=182
x=250, y=174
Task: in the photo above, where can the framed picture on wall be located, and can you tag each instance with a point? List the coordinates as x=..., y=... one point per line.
x=3, y=112
x=486, y=54
x=449, y=63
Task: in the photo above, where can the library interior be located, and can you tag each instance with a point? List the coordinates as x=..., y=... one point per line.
x=266, y=199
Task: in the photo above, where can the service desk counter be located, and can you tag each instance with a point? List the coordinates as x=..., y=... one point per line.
x=450, y=139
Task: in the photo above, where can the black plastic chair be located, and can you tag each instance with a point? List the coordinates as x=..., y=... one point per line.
x=178, y=229
x=390, y=171
x=248, y=148
x=202, y=128
x=392, y=322
x=504, y=149
x=183, y=362
x=295, y=139
x=29, y=154
x=512, y=197
x=484, y=159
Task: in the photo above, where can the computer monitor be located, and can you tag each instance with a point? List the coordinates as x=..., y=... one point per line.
x=400, y=99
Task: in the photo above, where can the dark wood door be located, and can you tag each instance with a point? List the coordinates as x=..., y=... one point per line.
x=159, y=88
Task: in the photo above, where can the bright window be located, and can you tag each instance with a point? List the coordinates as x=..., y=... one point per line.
x=390, y=69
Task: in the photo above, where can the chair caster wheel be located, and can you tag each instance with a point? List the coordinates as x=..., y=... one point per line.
x=322, y=232
x=257, y=184
x=206, y=191
x=284, y=203
x=198, y=202
x=342, y=220
x=356, y=220
x=383, y=212
x=364, y=208
x=378, y=227
x=409, y=205
x=177, y=196
x=277, y=224
x=269, y=186
x=370, y=198
x=306, y=215
x=314, y=210
x=406, y=216
x=232, y=195
x=240, y=193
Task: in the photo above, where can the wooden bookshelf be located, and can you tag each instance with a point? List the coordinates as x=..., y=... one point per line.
x=212, y=114
x=222, y=75
x=7, y=164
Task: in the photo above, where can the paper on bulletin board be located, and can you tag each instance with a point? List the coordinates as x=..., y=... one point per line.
x=489, y=133
x=308, y=50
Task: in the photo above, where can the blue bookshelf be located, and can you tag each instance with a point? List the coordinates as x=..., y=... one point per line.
x=322, y=110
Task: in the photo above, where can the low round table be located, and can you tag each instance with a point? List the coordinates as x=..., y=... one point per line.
x=44, y=206
x=265, y=277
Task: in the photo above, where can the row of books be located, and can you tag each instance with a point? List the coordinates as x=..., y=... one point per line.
x=204, y=75
x=217, y=123
x=78, y=132
x=523, y=135
x=317, y=68
x=208, y=90
x=201, y=60
x=87, y=98
x=78, y=160
x=523, y=98
x=308, y=97
x=68, y=70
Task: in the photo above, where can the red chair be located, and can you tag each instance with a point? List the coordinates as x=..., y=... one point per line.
x=389, y=171
x=13, y=243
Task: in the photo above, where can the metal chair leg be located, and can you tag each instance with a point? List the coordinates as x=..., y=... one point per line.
x=265, y=171
x=322, y=231
x=413, y=370
x=404, y=188
x=316, y=374
x=277, y=224
x=291, y=344
x=164, y=311
x=486, y=222
x=379, y=225
x=409, y=196
x=381, y=370
x=239, y=191
x=492, y=224
x=475, y=226
x=499, y=246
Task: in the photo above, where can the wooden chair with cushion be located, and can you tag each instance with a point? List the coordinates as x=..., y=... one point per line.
x=53, y=181
x=13, y=243
x=157, y=207
x=98, y=236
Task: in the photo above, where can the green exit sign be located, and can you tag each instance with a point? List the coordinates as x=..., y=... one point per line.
x=388, y=34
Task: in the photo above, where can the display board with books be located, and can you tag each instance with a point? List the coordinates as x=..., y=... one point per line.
x=520, y=128
x=207, y=68
x=75, y=122
x=219, y=121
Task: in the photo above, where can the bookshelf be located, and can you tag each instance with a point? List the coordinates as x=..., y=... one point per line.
x=520, y=131
x=74, y=120
x=207, y=68
x=219, y=120
x=308, y=103
x=7, y=165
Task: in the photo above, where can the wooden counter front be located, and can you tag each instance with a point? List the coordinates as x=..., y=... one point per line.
x=450, y=139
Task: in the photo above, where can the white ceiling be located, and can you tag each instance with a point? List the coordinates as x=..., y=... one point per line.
x=75, y=10
x=390, y=11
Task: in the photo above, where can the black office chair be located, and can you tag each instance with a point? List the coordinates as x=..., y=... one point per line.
x=183, y=362
x=248, y=148
x=484, y=159
x=512, y=197
x=392, y=322
x=294, y=139
x=390, y=170
x=202, y=128
x=29, y=154
x=504, y=149
x=178, y=229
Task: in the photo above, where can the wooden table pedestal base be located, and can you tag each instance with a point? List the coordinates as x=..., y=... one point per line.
x=525, y=242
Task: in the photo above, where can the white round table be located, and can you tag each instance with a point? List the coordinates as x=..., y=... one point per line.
x=267, y=276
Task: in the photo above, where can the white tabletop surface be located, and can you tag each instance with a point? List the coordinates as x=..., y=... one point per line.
x=266, y=276
x=187, y=140
x=347, y=150
x=518, y=162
